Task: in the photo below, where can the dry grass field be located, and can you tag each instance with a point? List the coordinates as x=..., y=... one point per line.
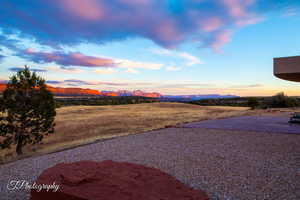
x=78, y=125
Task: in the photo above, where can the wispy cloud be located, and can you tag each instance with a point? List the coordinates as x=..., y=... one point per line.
x=69, y=62
x=291, y=11
x=173, y=68
x=8, y=42
x=61, y=69
x=132, y=71
x=191, y=60
x=79, y=83
x=188, y=58
x=129, y=64
x=16, y=69
x=184, y=85
x=2, y=57
x=247, y=86
x=54, y=82
x=106, y=71
x=219, y=40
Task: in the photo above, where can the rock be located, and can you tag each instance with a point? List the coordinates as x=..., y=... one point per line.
x=63, y=91
x=110, y=180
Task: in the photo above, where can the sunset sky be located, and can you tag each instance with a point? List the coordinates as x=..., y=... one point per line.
x=166, y=46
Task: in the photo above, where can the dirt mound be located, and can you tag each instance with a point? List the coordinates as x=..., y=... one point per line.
x=110, y=180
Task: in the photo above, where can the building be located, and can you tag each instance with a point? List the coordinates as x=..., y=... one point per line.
x=287, y=68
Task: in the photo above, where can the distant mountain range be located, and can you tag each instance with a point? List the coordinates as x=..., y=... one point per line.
x=131, y=93
x=59, y=91
x=184, y=98
x=63, y=91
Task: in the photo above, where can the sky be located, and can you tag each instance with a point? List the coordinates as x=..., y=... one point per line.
x=167, y=46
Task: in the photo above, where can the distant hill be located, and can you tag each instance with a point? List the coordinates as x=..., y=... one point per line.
x=127, y=93
x=59, y=91
x=72, y=91
x=187, y=98
x=139, y=93
x=64, y=91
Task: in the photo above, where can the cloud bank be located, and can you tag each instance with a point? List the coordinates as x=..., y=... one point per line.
x=168, y=23
x=78, y=83
x=66, y=59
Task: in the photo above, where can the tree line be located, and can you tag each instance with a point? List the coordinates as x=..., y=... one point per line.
x=279, y=100
x=106, y=100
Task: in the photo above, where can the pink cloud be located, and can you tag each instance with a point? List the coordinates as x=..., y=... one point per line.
x=66, y=59
x=238, y=8
x=220, y=39
x=135, y=2
x=108, y=65
x=211, y=24
x=241, y=12
x=86, y=9
x=248, y=21
x=167, y=23
x=167, y=33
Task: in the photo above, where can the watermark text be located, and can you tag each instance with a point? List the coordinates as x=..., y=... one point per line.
x=25, y=185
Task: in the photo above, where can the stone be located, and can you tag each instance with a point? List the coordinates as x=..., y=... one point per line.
x=109, y=180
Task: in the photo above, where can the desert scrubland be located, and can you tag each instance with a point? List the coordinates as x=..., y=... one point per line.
x=79, y=125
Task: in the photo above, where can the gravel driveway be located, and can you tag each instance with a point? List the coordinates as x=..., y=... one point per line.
x=227, y=164
x=272, y=124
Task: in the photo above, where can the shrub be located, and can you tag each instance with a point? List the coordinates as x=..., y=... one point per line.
x=253, y=102
x=280, y=100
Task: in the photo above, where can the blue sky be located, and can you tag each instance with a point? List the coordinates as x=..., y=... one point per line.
x=185, y=47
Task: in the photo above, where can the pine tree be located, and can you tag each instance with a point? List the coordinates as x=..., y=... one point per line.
x=27, y=111
x=253, y=102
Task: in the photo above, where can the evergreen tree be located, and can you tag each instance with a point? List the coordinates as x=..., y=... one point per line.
x=280, y=100
x=27, y=111
x=253, y=102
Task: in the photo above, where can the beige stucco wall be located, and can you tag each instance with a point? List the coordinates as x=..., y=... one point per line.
x=287, y=68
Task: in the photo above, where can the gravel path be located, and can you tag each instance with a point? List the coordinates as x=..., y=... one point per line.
x=250, y=123
x=227, y=164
